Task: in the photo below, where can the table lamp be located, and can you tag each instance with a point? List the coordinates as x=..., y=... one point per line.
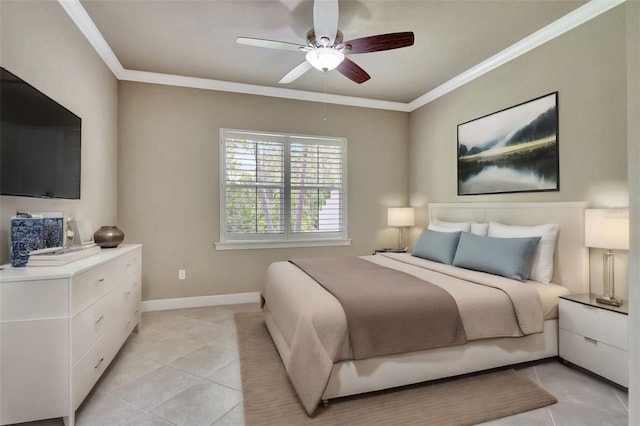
x=400, y=217
x=607, y=229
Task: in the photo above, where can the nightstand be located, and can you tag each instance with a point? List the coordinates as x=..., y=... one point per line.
x=594, y=336
x=389, y=250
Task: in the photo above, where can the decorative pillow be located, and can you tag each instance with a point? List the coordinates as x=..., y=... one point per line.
x=442, y=226
x=542, y=266
x=437, y=246
x=508, y=257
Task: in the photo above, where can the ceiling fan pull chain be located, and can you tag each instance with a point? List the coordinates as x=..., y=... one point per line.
x=324, y=89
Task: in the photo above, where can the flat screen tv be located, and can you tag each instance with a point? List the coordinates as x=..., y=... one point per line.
x=39, y=143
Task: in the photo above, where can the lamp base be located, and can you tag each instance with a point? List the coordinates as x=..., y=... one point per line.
x=607, y=300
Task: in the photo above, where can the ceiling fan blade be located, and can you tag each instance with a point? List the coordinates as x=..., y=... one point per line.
x=353, y=71
x=378, y=43
x=270, y=44
x=325, y=21
x=295, y=73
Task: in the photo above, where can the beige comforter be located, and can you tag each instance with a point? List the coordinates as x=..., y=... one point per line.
x=313, y=324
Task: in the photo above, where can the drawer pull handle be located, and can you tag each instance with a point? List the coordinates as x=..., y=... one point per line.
x=99, y=362
x=595, y=342
x=100, y=280
x=100, y=319
x=591, y=308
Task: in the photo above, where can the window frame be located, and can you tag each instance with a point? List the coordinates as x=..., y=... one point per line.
x=235, y=241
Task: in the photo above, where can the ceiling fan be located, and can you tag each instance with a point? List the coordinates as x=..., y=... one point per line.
x=325, y=49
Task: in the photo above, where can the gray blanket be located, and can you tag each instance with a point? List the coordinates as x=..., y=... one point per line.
x=387, y=311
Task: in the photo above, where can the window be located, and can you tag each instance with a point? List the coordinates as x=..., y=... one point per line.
x=281, y=190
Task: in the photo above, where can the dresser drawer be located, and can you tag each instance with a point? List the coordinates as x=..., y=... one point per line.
x=92, y=364
x=131, y=263
x=130, y=319
x=128, y=292
x=595, y=323
x=604, y=360
x=91, y=285
x=90, y=324
x=129, y=306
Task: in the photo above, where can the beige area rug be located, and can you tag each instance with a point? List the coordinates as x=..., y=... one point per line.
x=269, y=397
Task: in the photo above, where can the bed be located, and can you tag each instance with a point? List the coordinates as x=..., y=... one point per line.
x=309, y=327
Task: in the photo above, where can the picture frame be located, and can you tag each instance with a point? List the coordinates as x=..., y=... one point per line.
x=511, y=150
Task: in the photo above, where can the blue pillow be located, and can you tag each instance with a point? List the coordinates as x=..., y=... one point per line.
x=437, y=246
x=508, y=257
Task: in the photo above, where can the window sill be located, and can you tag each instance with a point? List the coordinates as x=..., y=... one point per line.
x=256, y=245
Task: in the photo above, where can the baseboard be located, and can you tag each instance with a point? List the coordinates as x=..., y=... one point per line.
x=198, y=302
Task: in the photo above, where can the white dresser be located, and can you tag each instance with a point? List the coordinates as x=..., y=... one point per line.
x=61, y=326
x=595, y=336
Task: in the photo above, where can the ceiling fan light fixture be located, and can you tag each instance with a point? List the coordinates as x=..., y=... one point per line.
x=325, y=58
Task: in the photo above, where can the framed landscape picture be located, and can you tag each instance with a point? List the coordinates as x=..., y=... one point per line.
x=513, y=150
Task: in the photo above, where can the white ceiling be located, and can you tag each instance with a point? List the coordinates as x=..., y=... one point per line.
x=196, y=39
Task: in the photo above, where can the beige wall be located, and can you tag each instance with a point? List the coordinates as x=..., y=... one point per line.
x=40, y=44
x=587, y=66
x=633, y=141
x=168, y=180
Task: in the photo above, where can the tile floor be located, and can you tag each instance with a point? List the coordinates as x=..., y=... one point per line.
x=182, y=369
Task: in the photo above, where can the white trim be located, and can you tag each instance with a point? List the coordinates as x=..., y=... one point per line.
x=252, y=89
x=568, y=22
x=199, y=301
x=81, y=18
x=252, y=245
x=230, y=240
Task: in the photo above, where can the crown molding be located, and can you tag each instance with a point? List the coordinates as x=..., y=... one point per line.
x=588, y=11
x=81, y=18
x=568, y=22
x=252, y=89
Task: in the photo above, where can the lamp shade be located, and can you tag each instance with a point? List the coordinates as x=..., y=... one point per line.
x=400, y=216
x=607, y=228
x=325, y=58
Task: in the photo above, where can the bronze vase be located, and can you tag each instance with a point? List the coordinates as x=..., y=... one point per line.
x=108, y=236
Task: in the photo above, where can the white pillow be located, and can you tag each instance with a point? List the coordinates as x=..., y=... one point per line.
x=481, y=229
x=442, y=226
x=542, y=265
x=473, y=227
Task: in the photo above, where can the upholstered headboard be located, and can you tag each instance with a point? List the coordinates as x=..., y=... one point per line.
x=571, y=257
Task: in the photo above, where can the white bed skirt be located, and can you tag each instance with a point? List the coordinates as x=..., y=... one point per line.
x=372, y=374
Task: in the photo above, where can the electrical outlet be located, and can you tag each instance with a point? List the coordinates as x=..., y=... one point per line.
x=182, y=274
